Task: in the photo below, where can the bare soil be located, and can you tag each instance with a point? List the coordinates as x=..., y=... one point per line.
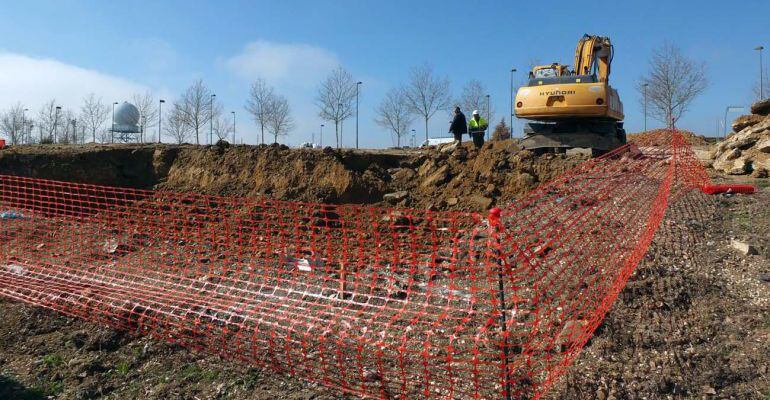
x=693, y=321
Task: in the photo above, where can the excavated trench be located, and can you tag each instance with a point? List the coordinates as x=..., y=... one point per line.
x=463, y=178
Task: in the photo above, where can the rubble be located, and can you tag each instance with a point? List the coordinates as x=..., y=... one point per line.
x=743, y=247
x=747, y=149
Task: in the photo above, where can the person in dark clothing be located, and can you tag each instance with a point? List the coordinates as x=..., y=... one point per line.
x=459, y=126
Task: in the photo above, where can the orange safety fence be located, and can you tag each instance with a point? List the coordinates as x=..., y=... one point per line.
x=376, y=302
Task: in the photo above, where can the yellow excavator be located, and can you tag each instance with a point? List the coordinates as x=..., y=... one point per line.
x=573, y=108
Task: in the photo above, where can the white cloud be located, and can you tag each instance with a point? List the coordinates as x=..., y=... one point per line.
x=33, y=81
x=283, y=63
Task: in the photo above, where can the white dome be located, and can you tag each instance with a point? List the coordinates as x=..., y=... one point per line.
x=126, y=114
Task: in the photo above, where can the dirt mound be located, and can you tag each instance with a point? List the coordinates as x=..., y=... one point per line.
x=747, y=149
x=447, y=177
x=692, y=138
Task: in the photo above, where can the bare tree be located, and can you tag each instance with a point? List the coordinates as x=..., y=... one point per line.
x=47, y=121
x=474, y=97
x=393, y=114
x=176, y=127
x=12, y=123
x=755, y=92
x=674, y=81
x=426, y=93
x=223, y=127
x=335, y=99
x=148, y=111
x=280, y=122
x=195, y=107
x=93, y=114
x=261, y=97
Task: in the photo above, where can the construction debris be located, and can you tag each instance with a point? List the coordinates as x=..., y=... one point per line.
x=743, y=247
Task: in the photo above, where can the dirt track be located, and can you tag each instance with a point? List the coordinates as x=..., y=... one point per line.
x=692, y=323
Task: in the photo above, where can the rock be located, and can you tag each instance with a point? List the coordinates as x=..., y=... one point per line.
x=404, y=174
x=764, y=145
x=760, y=173
x=572, y=332
x=761, y=107
x=480, y=202
x=395, y=196
x=743, y=247
x=452, y=201
x=448, y=148
x=436, y=178
x=739, y=167
x=745, y=121
x=425, y=168
x=733, y=154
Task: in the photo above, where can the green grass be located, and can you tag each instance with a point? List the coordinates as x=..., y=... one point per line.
x=195, y=374
x=762, y=183
x=123, y=368
x=53, y=360
x=47, y=388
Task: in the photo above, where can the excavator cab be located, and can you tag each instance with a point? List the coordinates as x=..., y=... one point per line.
x=549, y=71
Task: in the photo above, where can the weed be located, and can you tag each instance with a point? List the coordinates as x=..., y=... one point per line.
x=53, y=360
x=123, y=368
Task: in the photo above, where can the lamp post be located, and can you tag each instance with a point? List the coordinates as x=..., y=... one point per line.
x=342, y=120
x=414, y=138
x=358, y=84
x=644, y=87
x=112, y=131
x=233, y=112
x=160, y=113
x=56, y=124
x=24, y=122
x=144, y=128
x=728, y=109
x=211, y=119
x=761, y=73
x=510, y=88
x=322, y=135
x=488, y=117
x=74, y=130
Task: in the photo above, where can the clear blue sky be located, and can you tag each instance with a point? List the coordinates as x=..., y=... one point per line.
x=164, y=45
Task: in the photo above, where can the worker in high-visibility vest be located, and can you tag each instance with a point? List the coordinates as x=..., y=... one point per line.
x=476, y=128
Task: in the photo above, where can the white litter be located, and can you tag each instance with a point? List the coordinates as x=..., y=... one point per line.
x=110, y=246
x=16, y=269
x=304, y=265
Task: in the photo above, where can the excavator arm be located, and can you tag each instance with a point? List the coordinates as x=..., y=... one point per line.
x=593, y=55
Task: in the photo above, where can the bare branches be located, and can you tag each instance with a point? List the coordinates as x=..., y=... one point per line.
x=261, y=97
x=426, y=94
x=196, y=107
x=148, y=110
x=176, y=127
x=280, y=122
x=474, y=97
x=393, y=114
x=674, y=81
x=335, y=99
x=13, y=124
x=93, y=114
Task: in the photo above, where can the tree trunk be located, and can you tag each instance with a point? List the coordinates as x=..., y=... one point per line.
x=426, y=130
x=262, y=141
x=337, y=132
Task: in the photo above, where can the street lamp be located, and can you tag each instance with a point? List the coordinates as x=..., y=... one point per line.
x=510, y=88
x=56, y=124
x=211, y=119
x=112, y=131
x=488, y=116
x=160, y=113
x=414, y=138
x=322, y=135
x=233, y=112
x=644, y=87
x=761, y=73
x=728, y=109
x=342, y=120
x=357, y=91
x=24, y=123
x=74, y=131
